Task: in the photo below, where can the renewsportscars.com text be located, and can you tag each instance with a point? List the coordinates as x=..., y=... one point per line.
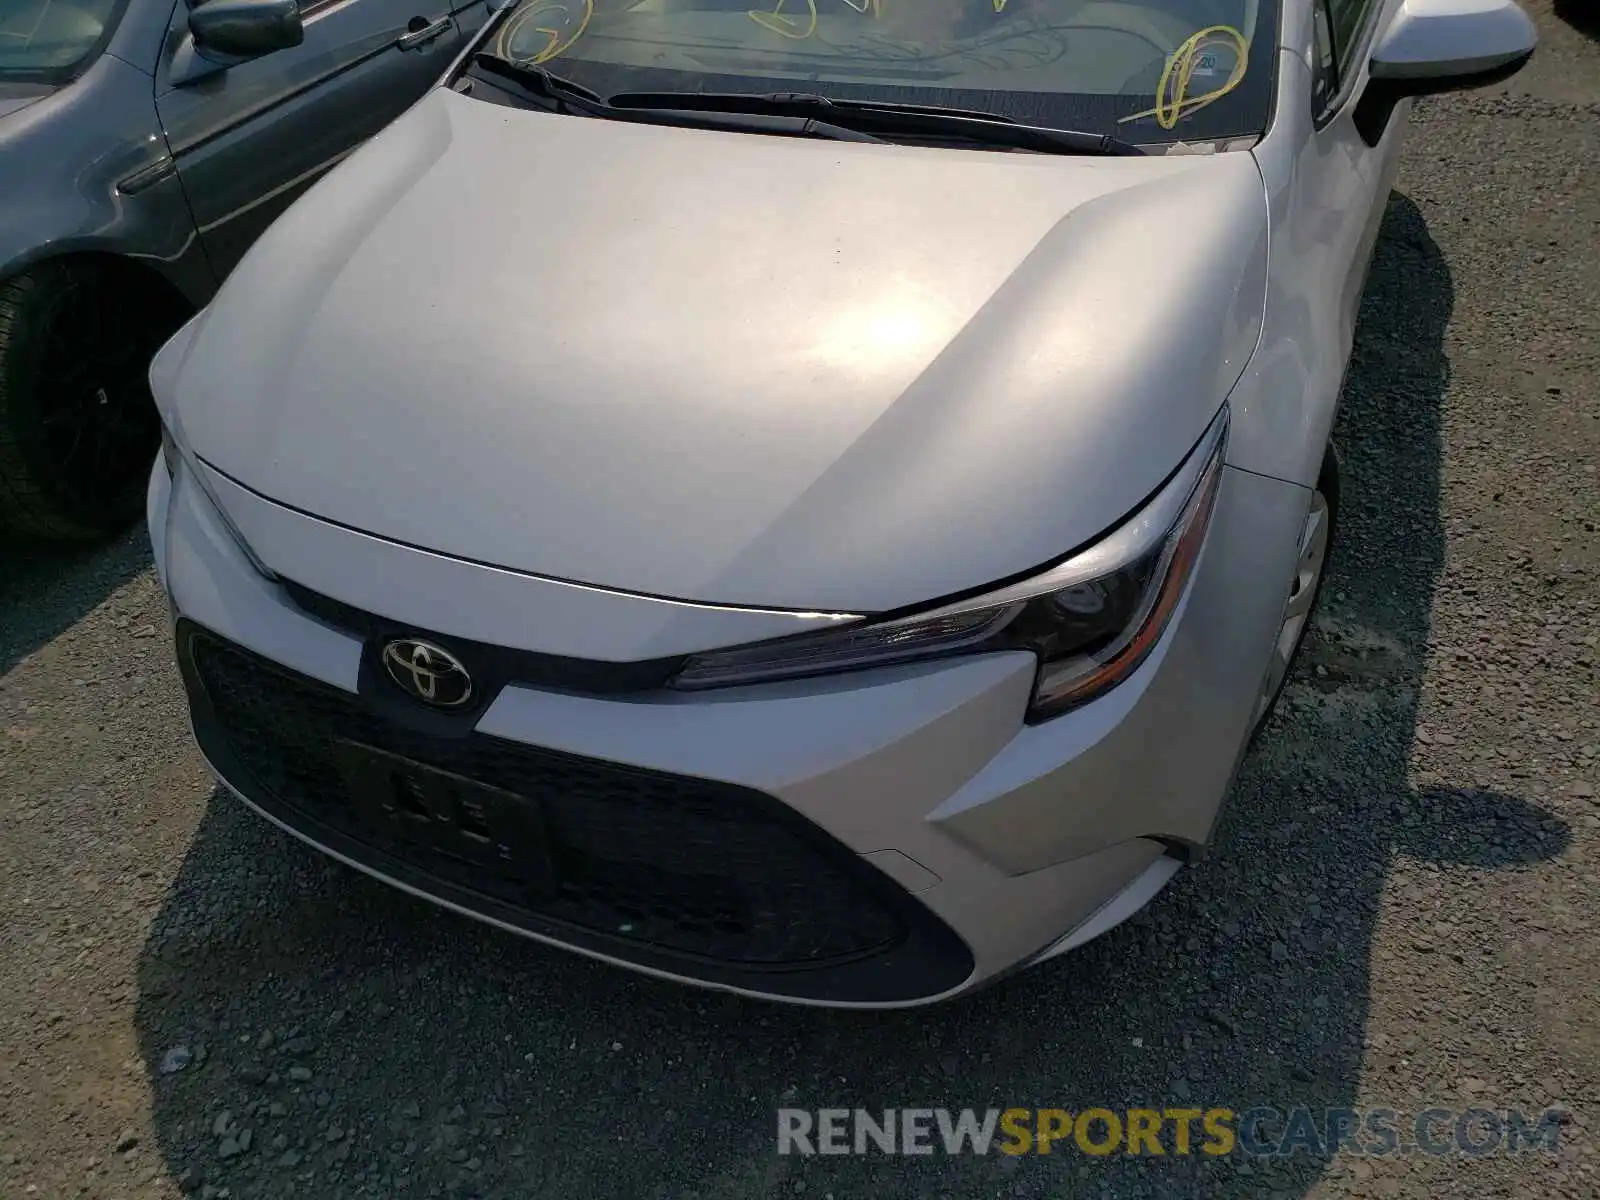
x=1256, y=1132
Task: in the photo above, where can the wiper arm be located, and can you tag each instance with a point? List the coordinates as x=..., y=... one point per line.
x=545, y=84
x=889, y=118
x=812, y=99
x=563, y=95
x=800, y=113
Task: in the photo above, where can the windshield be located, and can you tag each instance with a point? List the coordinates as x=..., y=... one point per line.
x=50, y=40
x=1149, y=72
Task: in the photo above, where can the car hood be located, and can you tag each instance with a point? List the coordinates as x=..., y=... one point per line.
x=724, y=367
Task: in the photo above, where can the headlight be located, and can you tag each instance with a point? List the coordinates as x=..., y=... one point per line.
x=179, y=458
x=1090, y=620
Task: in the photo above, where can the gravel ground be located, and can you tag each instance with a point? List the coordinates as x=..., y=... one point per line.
x=1400, y=913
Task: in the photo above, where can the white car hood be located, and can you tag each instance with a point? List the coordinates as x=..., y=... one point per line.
x=726, y=367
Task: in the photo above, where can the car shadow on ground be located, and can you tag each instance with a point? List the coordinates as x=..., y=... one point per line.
x=1582, y=15
x=369, y=1044
x=47, y=587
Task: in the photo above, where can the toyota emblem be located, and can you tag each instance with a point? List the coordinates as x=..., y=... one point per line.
x=427, y=672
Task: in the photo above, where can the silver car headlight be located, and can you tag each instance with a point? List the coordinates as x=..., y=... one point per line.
x=179, y=458
x=1090, y=621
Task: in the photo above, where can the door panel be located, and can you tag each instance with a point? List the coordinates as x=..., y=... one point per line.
x=1349, y=180
x=250, y=138
x=1326, y=192
x=1356, y=24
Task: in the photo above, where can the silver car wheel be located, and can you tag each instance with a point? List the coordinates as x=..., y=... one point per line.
x=1302, y=595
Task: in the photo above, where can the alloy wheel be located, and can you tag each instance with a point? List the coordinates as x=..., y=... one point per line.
x=1314, y=538
x=99, y=426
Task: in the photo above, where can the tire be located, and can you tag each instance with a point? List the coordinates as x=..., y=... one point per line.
x=78, y=427
x=1327, y=492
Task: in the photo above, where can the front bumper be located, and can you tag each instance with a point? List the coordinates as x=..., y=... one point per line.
x=887, y=838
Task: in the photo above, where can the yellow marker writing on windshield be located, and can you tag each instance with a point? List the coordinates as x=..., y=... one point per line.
x=1172, y=93
x=786, y=26
x=559, y=29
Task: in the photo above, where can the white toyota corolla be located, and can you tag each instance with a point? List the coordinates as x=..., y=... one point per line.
x=810, y=499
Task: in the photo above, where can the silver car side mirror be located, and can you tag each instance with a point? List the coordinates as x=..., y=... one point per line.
x=1434, y=46
x=1454, y=43
x=242, y=29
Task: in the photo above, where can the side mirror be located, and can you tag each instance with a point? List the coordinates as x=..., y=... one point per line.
x=1434, y=46
x=240, y=29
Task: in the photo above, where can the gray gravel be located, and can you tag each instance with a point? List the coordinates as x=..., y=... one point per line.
x=1401, y=910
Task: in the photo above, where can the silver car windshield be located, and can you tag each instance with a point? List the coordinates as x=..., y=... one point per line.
x=1151, y=71
x=52, y=39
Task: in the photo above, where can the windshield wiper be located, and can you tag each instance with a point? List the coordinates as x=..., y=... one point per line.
x=542, y=83
x=563, y=95
x=888, y=118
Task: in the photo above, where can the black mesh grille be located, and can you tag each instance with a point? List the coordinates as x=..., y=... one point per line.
x=688, y=866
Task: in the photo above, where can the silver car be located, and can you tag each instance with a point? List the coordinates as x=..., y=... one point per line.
x=810, y=500
x=144, y=144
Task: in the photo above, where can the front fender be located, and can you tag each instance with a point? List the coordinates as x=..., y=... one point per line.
x=65, y=157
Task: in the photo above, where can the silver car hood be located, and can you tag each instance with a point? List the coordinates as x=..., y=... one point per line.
x=726, y=367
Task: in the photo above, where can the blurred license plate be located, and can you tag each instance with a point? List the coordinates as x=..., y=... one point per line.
x=418, y=806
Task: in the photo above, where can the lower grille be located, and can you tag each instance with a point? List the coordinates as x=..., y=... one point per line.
x=722, y=880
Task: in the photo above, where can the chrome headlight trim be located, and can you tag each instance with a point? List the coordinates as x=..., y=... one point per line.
x=1090, y=619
